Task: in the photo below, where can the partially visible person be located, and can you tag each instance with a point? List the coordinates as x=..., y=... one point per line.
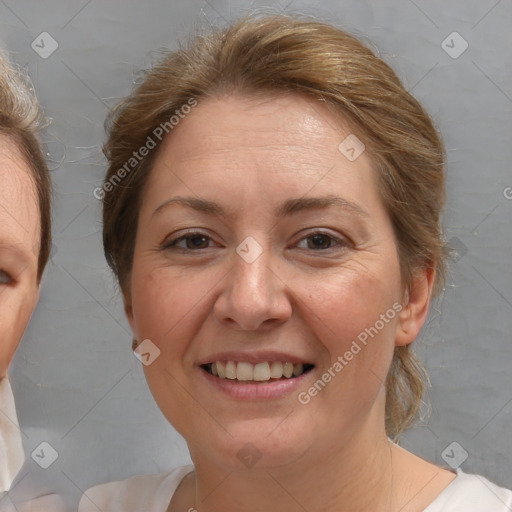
x=25, y=241
x=280, y=245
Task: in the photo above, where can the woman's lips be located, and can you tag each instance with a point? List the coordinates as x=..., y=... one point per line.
x=247, y=390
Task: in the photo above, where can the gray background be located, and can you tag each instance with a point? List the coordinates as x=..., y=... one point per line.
x=77, y=384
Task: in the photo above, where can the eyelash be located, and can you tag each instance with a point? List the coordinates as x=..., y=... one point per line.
x=172, y=244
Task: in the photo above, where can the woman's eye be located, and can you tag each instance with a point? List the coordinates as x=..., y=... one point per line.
x=191, y=242
x=5, y=278
x=315, y=241
x=320, y=241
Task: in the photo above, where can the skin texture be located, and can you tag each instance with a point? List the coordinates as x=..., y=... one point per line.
x=20, y=234
x=250, y=155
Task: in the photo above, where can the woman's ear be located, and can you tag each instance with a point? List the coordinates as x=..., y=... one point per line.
x=37, y=295
x=415, y=307
x=128, y=310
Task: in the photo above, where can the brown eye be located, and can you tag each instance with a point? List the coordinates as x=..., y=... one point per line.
x=196, y=241
x=320, y=242
x=5, y=278
x=191, y=241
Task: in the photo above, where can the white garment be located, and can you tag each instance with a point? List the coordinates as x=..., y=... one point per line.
x=11, y=461
x=11, y=447
x=153, y=493
x=146, y=493
x=49, y=503
x=472, y=493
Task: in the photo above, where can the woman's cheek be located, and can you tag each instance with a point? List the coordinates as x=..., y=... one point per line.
x=346, y=303
x=16, y=310
x=154, y=305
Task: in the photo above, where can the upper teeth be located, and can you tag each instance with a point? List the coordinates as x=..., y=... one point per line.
x=260, y=371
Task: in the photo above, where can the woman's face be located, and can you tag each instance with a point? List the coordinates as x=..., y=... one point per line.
x=260, y=243
x=20, y=234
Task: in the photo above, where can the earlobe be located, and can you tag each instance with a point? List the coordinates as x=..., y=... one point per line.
x=37, y=295
x=128, y=310
x=415, y=307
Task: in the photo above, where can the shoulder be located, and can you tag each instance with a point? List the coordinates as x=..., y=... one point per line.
x=134, y=494
x=472, y=493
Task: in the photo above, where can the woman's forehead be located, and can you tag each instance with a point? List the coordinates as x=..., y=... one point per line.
x=262, y=123
x=282, y=141
x=19, y=213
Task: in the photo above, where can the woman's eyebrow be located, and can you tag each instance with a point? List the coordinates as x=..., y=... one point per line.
x=292, y=206
x=289, y=207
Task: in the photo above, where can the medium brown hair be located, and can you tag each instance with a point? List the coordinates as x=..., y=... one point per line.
x=20, y=121
x=282, y=54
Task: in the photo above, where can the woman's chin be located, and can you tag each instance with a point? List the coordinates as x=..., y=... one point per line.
x=261, y=443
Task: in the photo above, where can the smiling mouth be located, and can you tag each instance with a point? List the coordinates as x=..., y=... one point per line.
x=259, y=372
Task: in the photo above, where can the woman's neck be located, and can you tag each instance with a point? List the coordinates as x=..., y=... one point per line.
x=366, y=474
x=357, y=476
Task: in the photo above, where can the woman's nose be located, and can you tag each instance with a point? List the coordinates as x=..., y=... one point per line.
x=253, y=294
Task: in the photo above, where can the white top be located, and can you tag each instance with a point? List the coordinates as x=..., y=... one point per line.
x=11, y=462
x=153, y=493
x=49, y=503
x=11, y=447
